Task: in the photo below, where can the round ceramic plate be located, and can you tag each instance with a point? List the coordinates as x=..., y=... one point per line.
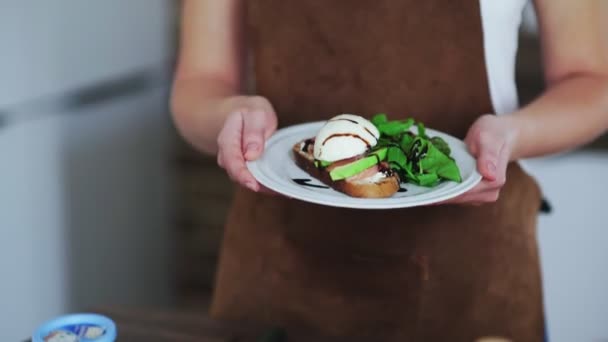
x=277, y=170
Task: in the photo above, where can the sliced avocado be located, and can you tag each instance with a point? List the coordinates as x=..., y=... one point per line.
x=322, y=163
x=351, y=169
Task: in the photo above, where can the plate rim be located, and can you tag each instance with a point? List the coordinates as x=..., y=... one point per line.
x=356, y=203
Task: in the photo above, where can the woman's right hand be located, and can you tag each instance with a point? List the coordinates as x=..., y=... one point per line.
x=250, y=120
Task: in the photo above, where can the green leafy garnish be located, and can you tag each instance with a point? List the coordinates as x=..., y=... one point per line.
x=397, y=156
x=421, y=130
x=379, y=119
x=406, y=141
x=394, y=128
x=428, y=179
x=441, y=145
x=417, y=158
x=437, y=162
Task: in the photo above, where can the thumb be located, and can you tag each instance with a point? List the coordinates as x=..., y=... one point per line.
x=253, y=134
x=487, y=154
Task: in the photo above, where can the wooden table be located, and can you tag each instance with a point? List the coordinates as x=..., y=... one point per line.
x=143, y=325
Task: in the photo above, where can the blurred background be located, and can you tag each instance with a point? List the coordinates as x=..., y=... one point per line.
x=101, y=203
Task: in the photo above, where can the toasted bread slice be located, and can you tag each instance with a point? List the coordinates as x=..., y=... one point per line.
x=382, y=187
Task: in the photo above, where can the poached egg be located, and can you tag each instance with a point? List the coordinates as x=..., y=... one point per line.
x=344, y=136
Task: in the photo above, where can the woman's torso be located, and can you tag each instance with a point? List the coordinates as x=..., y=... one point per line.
x=432, y=58
x=431, y=273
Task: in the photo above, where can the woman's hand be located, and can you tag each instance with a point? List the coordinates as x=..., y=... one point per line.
x=491, y=141
x=249, y=122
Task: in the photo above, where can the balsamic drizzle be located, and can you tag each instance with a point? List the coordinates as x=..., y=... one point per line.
x=368, y=131
x=416, y=154
x=347, y=135
x=306, y=182
x=345, y=119
x=385, y=169
x=307, y=144
x=355, y=122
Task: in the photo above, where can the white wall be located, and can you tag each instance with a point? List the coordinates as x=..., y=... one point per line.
x=49, y=47
x=115, y=160
x=83, y=190
x=573, y=239
x=84, y=211
x=573, y=242
x=32, y=245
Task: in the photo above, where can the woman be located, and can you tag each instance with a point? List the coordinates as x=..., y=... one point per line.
x=456, y=271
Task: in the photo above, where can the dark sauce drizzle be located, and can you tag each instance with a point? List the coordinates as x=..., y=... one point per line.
x=415, y=156
x=413, y=149
x=368, y=131
x=385, y=169
x=306, y=182
x=355, y=122
x=347, y=135
x=307, y=144
x=344, y=119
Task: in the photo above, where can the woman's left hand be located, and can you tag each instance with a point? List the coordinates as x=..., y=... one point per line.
x=491, y=141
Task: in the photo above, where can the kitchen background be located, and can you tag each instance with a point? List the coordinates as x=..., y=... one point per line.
x=101, y=203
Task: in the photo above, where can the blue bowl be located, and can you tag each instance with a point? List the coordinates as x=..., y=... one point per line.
x=83, y=327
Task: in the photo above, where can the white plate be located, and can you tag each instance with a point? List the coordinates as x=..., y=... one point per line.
x=276, y=170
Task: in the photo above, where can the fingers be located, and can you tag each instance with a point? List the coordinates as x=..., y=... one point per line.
x=502, y=164
x=254, y=134
x=243, y=136
x=230, y=155
x=486, y=149
x=490, y=141
x=260, y=122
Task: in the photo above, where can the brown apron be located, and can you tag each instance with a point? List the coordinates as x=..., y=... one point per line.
x=439, y=273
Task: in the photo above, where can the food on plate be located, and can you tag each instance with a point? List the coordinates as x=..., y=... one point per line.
x=343, y=156
x=370, y=159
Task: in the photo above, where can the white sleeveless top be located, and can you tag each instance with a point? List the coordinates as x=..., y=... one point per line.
x=501, y=20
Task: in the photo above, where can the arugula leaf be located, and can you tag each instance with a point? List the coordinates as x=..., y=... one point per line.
x=406, y=142
x=417, y=158
x=421, y=130
x=393, y=128
x=441, y=145
x=385, y=142
x=450, y=171
x=416, y=148
x=436, y=161
x=396, y=167
x=379, y=118
x=409, y=122
x=428, y=179
x=409, y=172
x=396, y=155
